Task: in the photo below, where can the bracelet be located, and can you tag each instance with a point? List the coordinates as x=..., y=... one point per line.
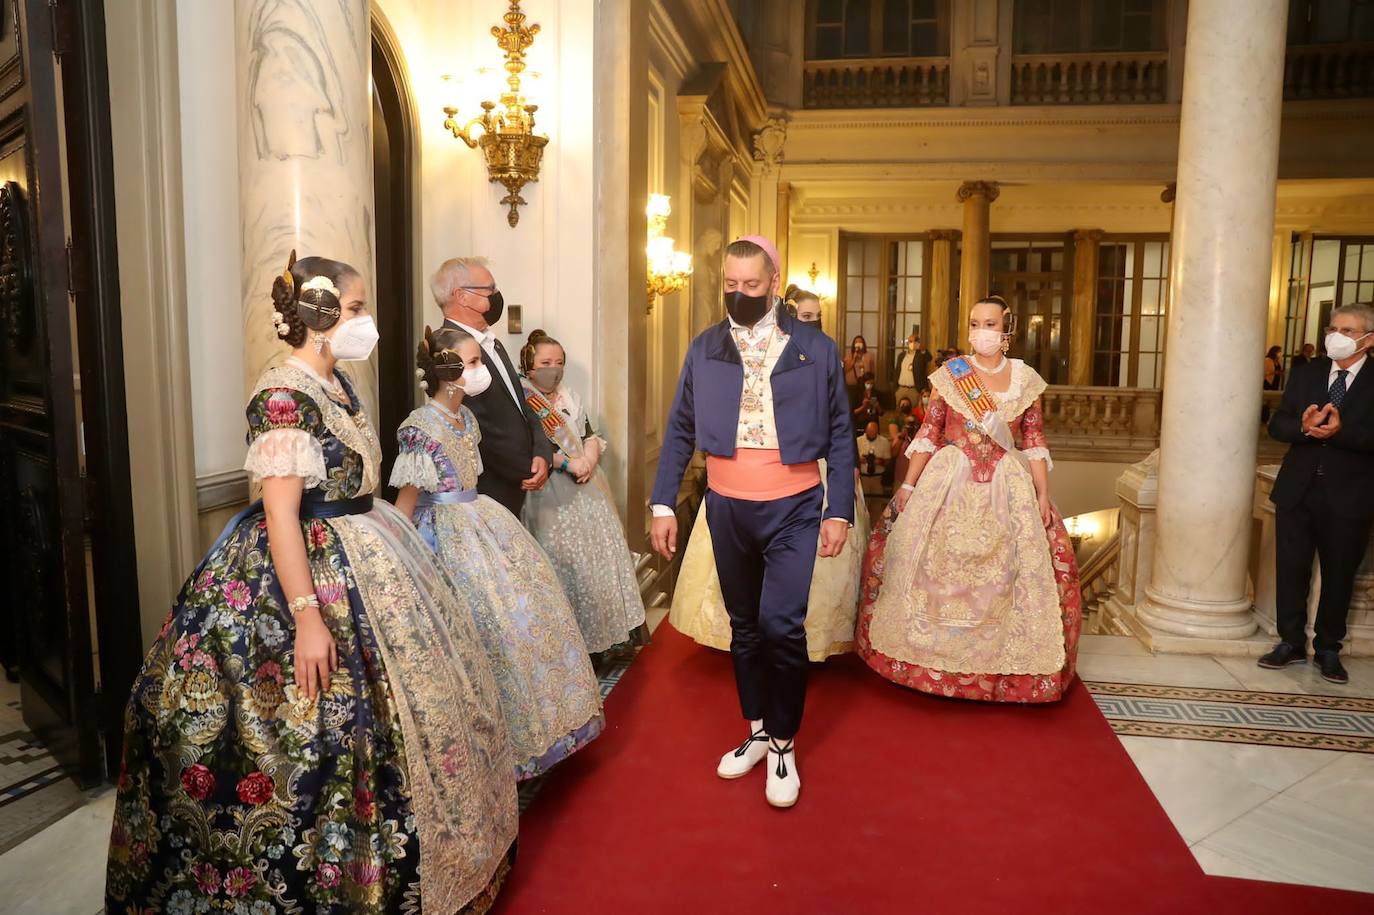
x=564, y=466
x=300, y=604
x=909, y=487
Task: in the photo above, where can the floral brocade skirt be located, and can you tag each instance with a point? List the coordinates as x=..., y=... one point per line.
x=238, y=794
x=577, y=525
x=548, y=691
x=967, y=595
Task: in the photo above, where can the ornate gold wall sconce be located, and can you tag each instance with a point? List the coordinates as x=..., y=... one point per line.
x=506, y=138
x=668, y=269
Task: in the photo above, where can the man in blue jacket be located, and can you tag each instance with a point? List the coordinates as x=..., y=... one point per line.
x=763, y=395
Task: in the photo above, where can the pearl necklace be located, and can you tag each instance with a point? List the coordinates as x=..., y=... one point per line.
x=997, y=371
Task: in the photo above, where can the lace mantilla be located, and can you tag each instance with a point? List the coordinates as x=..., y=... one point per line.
x=352, y=429
x=287, y=453
x=1026, y=385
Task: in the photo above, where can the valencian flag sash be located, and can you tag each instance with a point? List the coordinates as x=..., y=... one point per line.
x=970, y=385
x=553, y=422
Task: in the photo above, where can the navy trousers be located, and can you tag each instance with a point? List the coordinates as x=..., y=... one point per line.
x=765, y=554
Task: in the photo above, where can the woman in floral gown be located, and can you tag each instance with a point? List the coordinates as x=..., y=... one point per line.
x=316, y=728
x=573, y=517
x=548, y=691
x=970, y=585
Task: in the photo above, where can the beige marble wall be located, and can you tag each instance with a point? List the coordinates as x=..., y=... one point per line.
x=305, y=156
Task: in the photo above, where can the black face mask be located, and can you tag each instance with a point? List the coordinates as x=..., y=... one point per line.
x=495, y=308
x=814, y=322
x=746, y=309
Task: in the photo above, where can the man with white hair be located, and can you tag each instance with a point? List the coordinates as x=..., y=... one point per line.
x=1324, y=493
x=515, y=451
x=763, y=395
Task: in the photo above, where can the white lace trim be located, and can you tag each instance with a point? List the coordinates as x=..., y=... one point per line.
x=287, y=453
x=1039, y=454
x=923, y=445
x=414, y=469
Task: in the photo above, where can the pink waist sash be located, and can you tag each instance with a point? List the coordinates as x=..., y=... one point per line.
x=759, y=475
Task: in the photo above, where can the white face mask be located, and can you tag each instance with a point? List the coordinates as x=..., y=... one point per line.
x=1341, y=347
x=985, y=341
x=476, y=380
x=355, y=339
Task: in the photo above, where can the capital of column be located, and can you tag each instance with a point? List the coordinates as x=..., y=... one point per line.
x=988, y=190
x=943, y=234
x=1092, y=235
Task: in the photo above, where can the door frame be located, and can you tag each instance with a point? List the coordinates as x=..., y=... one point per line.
x=396, y=395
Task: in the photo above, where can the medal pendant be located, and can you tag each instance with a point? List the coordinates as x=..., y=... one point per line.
x=750, y=402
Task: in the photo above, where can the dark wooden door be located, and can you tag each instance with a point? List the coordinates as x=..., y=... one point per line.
x=43, y=559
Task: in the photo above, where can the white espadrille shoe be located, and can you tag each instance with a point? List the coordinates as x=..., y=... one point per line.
x=737, y=762
x=784, y=782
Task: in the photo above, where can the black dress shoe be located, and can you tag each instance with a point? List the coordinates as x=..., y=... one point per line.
x=1282, y=655
x=1331, y=666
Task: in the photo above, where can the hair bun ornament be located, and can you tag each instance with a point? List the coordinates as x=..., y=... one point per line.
x=318, y=303
x=287, y=276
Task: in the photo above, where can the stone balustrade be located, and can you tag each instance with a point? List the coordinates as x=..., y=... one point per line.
x=906, y=82
x=1329, y=71
x=1101, y=423
x=1089, y=79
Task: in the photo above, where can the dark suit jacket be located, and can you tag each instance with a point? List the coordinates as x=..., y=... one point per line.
x=809, y=404
x=511, y=433
x=1346, y=460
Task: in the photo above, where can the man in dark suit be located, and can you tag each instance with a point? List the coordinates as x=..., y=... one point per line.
x=515, y=451
x=1324, y=493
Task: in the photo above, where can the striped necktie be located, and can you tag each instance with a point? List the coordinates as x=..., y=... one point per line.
x=1336, y=393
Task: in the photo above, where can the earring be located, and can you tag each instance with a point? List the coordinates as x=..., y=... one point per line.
x=319, y=343
x=451, y=388
x=1006, y=343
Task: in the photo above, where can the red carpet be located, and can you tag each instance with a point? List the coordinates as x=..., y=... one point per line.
x=909, y=804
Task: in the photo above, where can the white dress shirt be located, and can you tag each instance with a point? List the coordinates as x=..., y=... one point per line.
x=487, y=340
x=1350, y=377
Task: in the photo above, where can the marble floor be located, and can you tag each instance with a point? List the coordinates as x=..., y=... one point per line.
x=1267, y=813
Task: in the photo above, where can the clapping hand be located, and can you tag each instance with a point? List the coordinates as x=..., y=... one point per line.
x=1321, y=422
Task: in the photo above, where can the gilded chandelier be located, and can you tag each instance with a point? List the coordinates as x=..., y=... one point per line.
x=668, y=269
x=507, y=139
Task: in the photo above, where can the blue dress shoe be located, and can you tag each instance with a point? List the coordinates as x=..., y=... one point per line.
x=1331, y=667
x=1282, y=655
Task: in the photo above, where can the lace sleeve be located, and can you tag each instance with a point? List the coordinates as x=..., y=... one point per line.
x=931, y=436
x=287, y=453
x=1033, y=444
x=415, y=464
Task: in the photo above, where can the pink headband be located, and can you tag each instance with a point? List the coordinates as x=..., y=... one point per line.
x=768, y=248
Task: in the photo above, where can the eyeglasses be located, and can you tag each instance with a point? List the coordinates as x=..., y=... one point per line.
x=1347, y=331
x=490, y=290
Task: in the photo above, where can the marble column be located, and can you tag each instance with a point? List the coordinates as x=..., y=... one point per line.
x=936, y=330
x=305, y=158
x=1085, y=242
x=977, y=198
x=1219, y=290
